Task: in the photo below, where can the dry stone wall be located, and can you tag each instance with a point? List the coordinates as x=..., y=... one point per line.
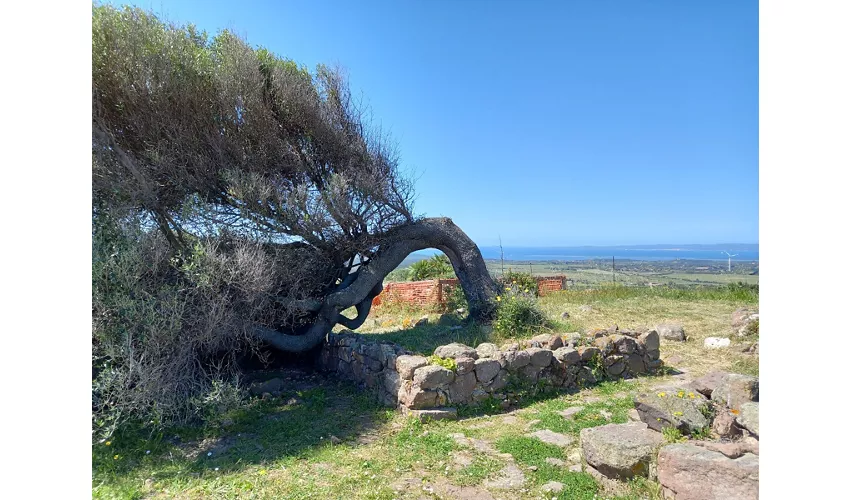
x=411, y=382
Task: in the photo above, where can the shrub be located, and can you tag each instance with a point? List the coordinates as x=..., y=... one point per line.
x=167, y=329
x=398, y=275
x=672, y=435
x=517, y=313
x=437, y=267
x=524, y=282
x=454, y=298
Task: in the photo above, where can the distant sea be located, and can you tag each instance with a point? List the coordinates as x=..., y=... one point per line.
x=741, y=252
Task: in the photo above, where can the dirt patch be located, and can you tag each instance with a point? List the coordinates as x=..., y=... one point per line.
x=209, y=447
x=509, y=478
x=440, y=488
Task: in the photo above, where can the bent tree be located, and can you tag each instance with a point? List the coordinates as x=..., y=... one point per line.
x=208, y=139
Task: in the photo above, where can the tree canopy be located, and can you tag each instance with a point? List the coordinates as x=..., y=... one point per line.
x=209, y=139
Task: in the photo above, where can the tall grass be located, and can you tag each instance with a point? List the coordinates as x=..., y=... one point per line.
x=731, y=293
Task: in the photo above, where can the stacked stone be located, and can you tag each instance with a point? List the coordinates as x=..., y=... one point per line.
x=369, y=364
x=556, y=361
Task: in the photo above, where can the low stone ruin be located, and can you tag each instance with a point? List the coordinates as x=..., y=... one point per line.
x=461, y=375
x=720, y=411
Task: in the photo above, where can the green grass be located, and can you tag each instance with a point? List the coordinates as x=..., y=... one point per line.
x=590, y=416
x=475, y=473
x=673, y=435
x=533, y=452
x=280, y=448
x=268, y=434
x=609, y=293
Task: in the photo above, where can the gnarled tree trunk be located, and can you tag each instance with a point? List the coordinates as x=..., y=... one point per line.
x=440, y=233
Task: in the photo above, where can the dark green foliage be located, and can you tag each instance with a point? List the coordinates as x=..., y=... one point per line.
x=454, y=298
x=437, y=267
x=518, y=313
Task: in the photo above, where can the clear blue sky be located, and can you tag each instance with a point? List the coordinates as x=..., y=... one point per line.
x=549, y=123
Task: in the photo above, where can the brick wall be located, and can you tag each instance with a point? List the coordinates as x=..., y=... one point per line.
x=418, y=293
x=433, y=292
x=550, y=284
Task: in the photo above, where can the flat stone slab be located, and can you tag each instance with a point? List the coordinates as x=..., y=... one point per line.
x=717, y=342
x=675, y=407
x=477, y=444
x=509, y=478
x=689, y=472
x=552, y=487
x=570, y=412
x=455, y=350
x=620, y=451
x=433, y=414
x=551, y=437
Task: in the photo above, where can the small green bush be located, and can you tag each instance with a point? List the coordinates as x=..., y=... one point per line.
x=519, y=282
x=455, y=299
x=517, y=314
x=597, y=367
x=672, y=435
x=398, y=275
x=437, y=267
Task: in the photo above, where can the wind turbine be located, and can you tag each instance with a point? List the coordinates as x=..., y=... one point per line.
x=730, y=259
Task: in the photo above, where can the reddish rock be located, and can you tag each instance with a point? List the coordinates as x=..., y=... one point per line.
x=689, y=472
x=724, y=425
x=705, y=385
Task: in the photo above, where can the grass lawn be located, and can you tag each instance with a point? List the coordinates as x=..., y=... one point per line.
x=325, y=439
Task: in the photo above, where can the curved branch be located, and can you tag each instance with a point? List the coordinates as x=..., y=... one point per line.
x=363, y=309
x=440, y=233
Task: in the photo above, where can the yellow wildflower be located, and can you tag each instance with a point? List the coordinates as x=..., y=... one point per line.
x=498, y=298
x=116, y=457
x=691, y=395
x=681, y=394
x=526, y=290
x=678, y=413
x=108, y=443
x=662, y=394
x=263, y=472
